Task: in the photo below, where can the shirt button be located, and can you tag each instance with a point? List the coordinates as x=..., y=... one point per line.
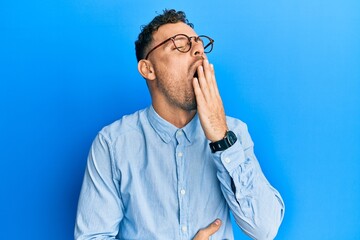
x=184, y=228
x=179, y=133
x=182, y=191
x=180, y=154
x=227, y=160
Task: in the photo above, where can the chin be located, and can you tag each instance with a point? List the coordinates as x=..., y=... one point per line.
x=189, y=106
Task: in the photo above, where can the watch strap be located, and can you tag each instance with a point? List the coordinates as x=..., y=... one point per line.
x=223, y=144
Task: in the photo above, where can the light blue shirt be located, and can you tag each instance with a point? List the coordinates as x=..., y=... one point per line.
x=147, y=179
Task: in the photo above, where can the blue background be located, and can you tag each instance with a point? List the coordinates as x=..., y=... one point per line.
x=289, y=69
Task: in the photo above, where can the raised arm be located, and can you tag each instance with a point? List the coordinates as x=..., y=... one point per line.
x=257, y=207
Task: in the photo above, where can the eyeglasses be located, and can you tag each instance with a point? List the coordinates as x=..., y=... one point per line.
x=183, y=43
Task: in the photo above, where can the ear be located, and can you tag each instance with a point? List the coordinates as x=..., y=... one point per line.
x=146, y=69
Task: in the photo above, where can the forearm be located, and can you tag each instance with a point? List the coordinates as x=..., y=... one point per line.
x=257, y=207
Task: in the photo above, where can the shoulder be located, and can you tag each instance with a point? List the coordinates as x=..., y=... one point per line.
x=131, y=124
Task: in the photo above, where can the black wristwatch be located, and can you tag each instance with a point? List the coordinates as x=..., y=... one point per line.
x=229, y=140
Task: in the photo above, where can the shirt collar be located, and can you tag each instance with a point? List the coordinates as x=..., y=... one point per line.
x=167, y=131
x=191, y=129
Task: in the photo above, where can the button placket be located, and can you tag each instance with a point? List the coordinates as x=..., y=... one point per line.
x=179, y=156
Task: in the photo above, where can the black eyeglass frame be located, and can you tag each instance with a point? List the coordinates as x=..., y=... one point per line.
x=196, y=38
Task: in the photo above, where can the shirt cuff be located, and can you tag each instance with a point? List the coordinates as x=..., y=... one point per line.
x=230, y=158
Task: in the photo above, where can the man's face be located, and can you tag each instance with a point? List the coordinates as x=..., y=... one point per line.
x=175, y=70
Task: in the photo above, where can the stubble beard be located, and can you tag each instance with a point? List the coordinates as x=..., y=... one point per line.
x=182, y=97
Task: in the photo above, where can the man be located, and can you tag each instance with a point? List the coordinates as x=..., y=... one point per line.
x=176, y=168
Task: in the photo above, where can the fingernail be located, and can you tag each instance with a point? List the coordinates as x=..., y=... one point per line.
x=217, y=222
x=206, y=61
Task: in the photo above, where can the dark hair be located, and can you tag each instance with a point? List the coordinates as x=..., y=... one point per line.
x=145, y=37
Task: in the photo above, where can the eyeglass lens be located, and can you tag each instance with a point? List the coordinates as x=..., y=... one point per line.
x=183, y=43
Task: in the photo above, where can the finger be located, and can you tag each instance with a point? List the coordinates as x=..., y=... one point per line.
x=216, y=89
x=203, y=83
x=210, y=78
x=213, y=227
x=208, y=72
x=207, y=232
x=198, y=92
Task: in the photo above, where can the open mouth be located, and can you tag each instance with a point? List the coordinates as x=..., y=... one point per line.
x=196, y=74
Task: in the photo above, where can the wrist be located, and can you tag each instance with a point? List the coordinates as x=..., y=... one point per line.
x=224, y=143
x=219, y=136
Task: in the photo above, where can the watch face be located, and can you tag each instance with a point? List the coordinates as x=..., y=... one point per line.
x=232, y=137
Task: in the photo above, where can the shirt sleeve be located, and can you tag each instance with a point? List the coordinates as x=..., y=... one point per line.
x=257, y=207
x=100, y=208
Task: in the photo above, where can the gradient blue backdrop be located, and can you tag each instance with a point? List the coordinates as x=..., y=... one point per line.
x=289, y=69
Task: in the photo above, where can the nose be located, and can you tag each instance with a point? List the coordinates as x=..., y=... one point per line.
x=197, y=47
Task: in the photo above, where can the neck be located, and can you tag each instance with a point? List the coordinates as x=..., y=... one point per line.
x=176, y=116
